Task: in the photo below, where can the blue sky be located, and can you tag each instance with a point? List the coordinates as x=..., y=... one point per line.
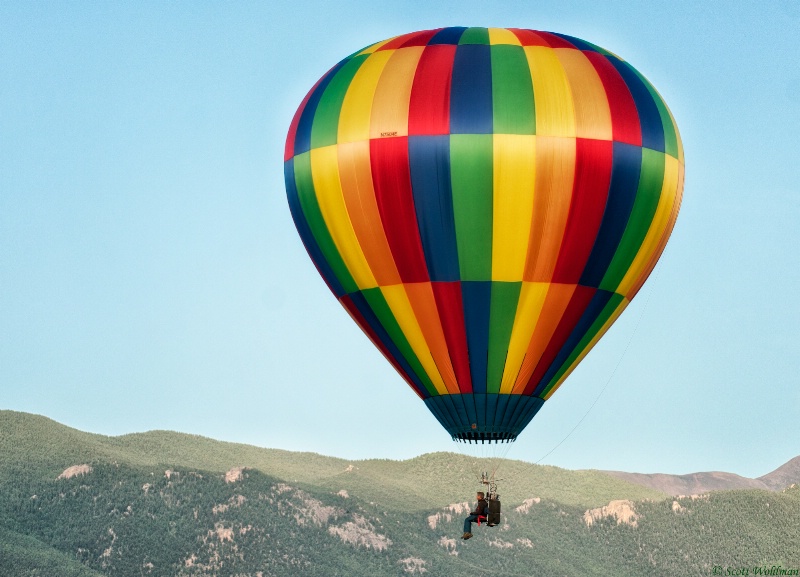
x=151, y=276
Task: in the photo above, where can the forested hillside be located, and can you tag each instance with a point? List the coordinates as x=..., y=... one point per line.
x=166, y=504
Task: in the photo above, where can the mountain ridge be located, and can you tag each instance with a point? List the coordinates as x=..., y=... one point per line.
x=152, y=447
x=166, y=504
x=705, y=481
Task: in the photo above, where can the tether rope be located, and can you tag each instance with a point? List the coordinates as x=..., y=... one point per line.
x=611, y=376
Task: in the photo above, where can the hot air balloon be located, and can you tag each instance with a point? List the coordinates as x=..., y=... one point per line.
x=484, y=203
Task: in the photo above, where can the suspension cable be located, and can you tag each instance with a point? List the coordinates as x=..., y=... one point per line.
x=611, y=376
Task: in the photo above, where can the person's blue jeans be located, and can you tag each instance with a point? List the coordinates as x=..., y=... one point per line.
x=468, y=523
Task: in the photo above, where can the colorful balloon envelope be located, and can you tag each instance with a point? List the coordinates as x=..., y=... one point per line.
x=484, y=203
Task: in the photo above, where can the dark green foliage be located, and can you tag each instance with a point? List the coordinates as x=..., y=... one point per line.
x=24, y=556
x=160, y=504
